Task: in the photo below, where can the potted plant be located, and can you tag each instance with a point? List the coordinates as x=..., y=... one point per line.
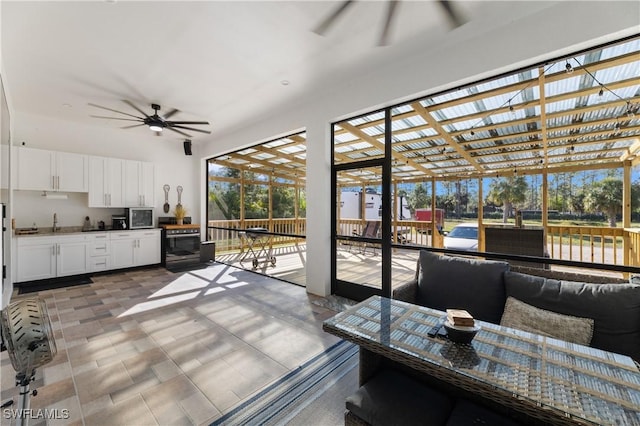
x=180, y=212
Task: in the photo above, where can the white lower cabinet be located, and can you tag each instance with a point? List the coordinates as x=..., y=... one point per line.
x=99, y=252
x=135, y=248
x=148, y=250
x=71, y=256
x=50, y=257
x=57, y=256
x=36, y=258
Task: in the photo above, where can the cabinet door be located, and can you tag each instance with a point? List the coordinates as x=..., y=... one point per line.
x=36, y=261
x=147, y=184
x=132, y=197
x=72, y=172
x=71, y=258
x=122, y=252
x=35, y=169
x=97, y=182
x=148, y=249
x=115, y=182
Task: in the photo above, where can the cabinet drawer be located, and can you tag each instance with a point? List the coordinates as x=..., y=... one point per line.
x=99, y=248
x=99, y=263
x=122, y=235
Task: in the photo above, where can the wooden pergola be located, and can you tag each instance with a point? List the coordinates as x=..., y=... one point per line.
x=581, y=112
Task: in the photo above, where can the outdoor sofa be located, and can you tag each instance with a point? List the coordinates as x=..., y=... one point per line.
x=600, y=312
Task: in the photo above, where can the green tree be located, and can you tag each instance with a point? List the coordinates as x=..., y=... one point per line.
x=507, y=192
x=284, y=199
x=605, y=196
x=418, y=198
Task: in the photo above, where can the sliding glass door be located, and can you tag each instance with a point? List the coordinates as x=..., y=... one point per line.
x=361, y=236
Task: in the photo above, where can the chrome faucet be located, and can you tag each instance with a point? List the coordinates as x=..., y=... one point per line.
x=55, y=222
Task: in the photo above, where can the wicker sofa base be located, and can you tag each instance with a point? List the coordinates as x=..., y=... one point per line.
x=351, y=419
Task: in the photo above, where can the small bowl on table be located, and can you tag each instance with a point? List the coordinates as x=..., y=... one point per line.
x=460, y=334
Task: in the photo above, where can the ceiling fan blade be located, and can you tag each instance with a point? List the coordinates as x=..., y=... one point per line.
x=324, y=25
x=190, y=128
x=131, y=127
x=115, y=110
x=170, y=113
x=391, y=9
x=454, y=17
x=135, y=107
x=178, y=131
x=187, y=122
x=113, y=118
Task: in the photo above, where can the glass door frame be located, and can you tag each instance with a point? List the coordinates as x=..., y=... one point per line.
x=348, y=289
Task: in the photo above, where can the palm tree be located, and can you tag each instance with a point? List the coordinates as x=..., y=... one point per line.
x=605, y=196
x=507, y=192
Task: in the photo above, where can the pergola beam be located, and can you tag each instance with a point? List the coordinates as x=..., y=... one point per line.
x=377, y=144
x=422, y=111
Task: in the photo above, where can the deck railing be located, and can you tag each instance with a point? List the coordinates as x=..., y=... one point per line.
x=610, y=246
x=595, y=244
x=633, y=246
x=226, y=232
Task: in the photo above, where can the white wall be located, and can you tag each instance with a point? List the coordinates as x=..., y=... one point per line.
x=166, y=152
x=507, y=36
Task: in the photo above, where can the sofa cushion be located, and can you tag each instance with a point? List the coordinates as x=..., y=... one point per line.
x=466, y=413
x=615, y=308
x=522, y=316
x=393, y=398
x=462, y=283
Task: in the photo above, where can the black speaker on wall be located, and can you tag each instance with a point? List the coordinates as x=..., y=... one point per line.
x=187, y=147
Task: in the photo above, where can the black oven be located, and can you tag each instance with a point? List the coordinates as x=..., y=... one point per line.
x=180, y=244
x=181, y=247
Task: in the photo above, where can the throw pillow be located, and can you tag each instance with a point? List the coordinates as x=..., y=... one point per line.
x=522, y=316
x=462, y=283
x=615, y=308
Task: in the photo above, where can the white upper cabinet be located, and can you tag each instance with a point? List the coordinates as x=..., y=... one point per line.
x=44, y=170
x=139, y=183
x=72, y=172
x=106, y=180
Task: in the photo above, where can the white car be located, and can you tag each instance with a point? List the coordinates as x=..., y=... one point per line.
x=462, y=237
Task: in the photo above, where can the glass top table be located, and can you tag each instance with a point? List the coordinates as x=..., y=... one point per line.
x=546, y=378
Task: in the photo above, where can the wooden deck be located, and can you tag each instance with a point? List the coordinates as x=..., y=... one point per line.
x=354, y=266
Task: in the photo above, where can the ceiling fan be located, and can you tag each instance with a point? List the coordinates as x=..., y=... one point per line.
x=155, y=122
x=454, y=17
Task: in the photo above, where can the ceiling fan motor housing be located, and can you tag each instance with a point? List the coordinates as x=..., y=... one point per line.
x=26, y=327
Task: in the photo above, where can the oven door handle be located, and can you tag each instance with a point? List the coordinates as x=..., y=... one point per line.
x=184, y=236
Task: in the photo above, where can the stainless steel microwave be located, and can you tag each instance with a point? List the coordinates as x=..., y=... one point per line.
x=139, y=217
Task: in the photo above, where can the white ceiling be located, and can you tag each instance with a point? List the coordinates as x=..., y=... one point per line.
x=221, y=61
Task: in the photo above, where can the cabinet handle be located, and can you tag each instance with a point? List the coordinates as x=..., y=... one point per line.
x=57, y=182
x=58, y=249
x=53, y=182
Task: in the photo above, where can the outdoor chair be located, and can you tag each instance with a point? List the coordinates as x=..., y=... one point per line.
x=371, y=230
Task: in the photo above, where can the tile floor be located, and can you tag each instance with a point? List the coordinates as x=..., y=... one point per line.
x=148, y=347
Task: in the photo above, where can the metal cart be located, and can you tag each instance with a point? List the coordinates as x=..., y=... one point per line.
x=258, y=240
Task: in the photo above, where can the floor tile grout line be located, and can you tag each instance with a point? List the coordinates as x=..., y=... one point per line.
x=73, y=377
x=101, y=290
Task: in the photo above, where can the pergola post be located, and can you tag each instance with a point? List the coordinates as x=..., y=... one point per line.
x=433, y=211
x=394, y=211
x=480, y=216
x=242, y=216
x=545, y=202
x=626, y=210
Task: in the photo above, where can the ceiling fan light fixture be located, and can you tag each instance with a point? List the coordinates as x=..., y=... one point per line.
x=155, y=127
